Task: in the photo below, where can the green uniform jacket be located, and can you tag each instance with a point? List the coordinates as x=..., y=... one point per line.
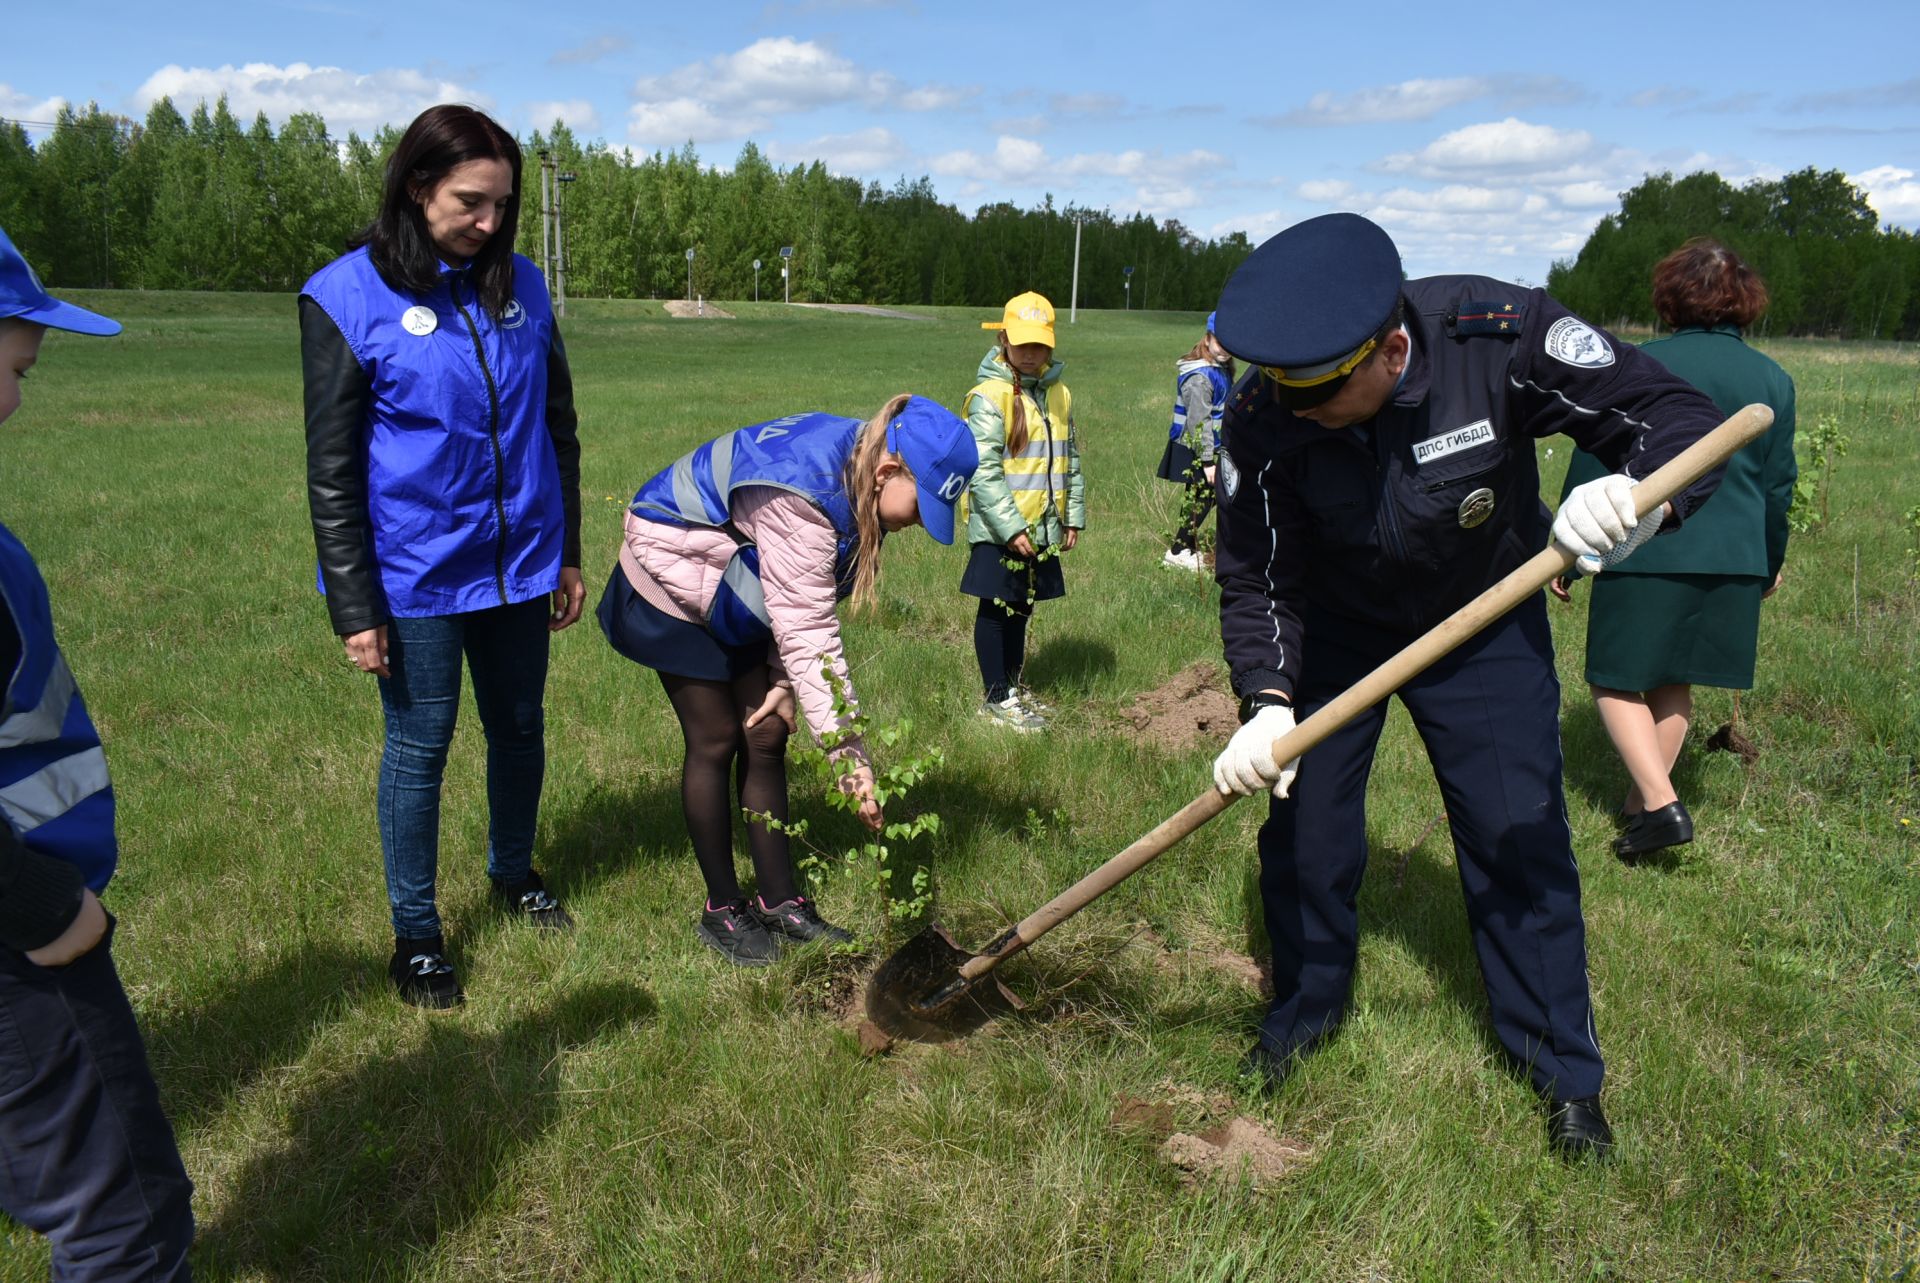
x=1742, y=529
x=992, y=515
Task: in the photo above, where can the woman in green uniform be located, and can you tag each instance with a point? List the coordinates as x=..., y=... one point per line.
x=1685, y=610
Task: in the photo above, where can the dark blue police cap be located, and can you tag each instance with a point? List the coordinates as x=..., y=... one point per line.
x=1306, y=304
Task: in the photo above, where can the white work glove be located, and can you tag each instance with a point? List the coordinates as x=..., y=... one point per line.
x=1598, y=526
x=1246, y=765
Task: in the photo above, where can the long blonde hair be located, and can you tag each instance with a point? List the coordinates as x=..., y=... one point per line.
x=869, y=452
x=1017, y=430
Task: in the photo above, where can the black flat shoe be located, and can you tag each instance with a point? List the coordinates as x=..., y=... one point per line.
x=1577, y=1130
x=1266, y=1069
x=1655, y=830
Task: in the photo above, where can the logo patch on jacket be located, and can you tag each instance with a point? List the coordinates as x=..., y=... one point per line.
x=514, y=317
x=1228, y=472
x=1572, y=341
x=1425, y=452
x=419, y=321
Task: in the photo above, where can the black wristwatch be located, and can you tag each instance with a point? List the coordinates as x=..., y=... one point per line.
x=1261, y=699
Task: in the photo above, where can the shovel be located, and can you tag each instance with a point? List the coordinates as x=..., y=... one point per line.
x=931, y=989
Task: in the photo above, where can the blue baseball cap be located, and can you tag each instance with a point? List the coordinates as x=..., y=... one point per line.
x=22, y=297
x=1210, y=316
x=939, y=450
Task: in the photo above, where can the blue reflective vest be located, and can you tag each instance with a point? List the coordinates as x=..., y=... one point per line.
x=804, y=453
x=463, y=486
x=1221, y=390
x=54, y=789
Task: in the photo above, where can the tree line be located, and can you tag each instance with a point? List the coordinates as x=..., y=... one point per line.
x=1830, y=268
x=204, y=202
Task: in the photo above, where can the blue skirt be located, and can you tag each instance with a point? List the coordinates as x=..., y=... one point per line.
x=988, y=576
x=649, y=636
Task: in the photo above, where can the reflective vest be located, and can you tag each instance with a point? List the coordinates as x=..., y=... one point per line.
x=1037, y=475
x=53, y=773
x=1221, y=390
x=463, y=484
x=803, y=453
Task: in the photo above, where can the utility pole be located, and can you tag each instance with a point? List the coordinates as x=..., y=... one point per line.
x=546, y=230
x=560, y=242
x=1073, y=299
x=1127, y=273
x=786, y=276
x=756, y=280
x=689, y=274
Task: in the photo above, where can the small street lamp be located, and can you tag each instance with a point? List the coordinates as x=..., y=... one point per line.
x=756, y=280
x=689, y=274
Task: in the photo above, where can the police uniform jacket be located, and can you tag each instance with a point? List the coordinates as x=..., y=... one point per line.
x=1391, y=525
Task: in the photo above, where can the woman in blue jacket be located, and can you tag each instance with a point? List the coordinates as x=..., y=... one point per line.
x=443, y=474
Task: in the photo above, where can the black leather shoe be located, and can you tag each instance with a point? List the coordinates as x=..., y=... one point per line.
x=1577, y=1130
x=1656, y=830
x=1266, y=1068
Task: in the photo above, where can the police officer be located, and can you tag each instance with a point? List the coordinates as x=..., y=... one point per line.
x=1377, y=473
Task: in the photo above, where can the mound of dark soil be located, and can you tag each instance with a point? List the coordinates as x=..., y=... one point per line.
x=1191, y=709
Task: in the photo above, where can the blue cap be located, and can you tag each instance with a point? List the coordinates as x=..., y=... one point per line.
x=1210, y=318
x=23, y=297
x=1306, y=304
x=939, y=450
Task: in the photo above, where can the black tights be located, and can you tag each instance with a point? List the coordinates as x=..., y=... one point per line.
x=1000, y=644
x=712, y=717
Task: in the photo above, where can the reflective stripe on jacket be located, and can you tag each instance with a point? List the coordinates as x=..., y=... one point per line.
x=1039, y=490
x=1220, y=389
x=54, y=788
x=805, y=454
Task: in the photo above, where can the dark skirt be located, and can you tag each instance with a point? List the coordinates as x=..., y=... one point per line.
x=1645, y=631
x=989, y=577
x=1175, y=460
x=649, y=636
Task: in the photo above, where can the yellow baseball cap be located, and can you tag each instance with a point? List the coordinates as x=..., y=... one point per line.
x=1028, y=318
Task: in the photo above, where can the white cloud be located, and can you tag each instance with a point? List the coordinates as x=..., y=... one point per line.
x=347, y=99
x=1503, y=146
x=861, y=154
x=1021, y=125
x=578, y=113
x=1329, y=191
x=737, y=94
x=1893, y=192
x=1423, y=99
x=1160, y=183
x=15, y=105
x=1662, y=96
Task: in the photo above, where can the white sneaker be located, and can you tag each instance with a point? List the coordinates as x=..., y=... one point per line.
x=1010, y=714
x=1024, y=696
x=1185, y=559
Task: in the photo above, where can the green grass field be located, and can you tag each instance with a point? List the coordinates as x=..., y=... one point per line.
x=619, y=1104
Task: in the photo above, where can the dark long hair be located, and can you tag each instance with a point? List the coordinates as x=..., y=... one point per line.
x=440, y=140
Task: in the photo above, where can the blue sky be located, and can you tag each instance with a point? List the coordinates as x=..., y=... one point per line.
x=1486, y=138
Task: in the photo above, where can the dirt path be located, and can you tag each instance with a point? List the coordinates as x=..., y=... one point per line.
x=696, y=311
x=863, y=310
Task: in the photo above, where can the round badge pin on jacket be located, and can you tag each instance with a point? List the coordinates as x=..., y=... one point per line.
x=419, y=320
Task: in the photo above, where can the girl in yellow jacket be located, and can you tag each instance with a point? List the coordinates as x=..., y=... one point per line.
x=1026, y=503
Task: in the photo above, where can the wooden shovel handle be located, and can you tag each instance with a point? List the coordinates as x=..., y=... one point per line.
x=1685, y=468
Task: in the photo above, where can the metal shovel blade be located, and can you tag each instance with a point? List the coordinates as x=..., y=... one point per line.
x=920, y=993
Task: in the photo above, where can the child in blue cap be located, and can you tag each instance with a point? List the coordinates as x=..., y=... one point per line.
x=733, y=562
x=1202, y=380
x=86, y=1154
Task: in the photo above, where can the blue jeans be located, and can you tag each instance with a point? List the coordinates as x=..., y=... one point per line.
x=506, y=650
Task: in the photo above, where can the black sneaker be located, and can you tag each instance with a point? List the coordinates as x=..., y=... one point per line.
x=797, y=919
x=736, y=935
x=529, y=899
x=422, y=974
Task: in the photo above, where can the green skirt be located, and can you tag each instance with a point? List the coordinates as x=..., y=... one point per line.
x=1645, y=631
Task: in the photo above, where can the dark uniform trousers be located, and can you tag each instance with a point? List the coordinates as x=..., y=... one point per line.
x=1489, y=715
x=86, y=1155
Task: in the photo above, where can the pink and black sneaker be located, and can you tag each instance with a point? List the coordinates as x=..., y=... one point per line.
x=736, y=934
x=798, y=920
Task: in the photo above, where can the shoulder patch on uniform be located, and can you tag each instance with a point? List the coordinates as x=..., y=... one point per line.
x=1571, y=341
x=1228, y=472
x=1501, y=320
